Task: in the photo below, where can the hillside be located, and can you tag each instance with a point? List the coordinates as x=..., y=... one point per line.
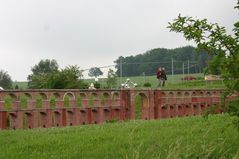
x=184, y=59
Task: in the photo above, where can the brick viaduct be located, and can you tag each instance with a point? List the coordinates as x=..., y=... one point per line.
x=57, y=108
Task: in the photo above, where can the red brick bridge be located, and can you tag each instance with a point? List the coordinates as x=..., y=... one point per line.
x=57, y=108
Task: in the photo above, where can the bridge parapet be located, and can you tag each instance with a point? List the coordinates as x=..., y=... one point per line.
x=56, y=108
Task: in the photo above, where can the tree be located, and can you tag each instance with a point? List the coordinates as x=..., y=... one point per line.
x=149, y=61
x=214, y=39
x=111, y=79
x=95, y=72
x=5, y=80
x=45, y=66
x=41, y=72
x=68, y=78
x=215, y=64
x=47, y=76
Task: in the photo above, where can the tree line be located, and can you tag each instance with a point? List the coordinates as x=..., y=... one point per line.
x=47, y=75
x=148, y=62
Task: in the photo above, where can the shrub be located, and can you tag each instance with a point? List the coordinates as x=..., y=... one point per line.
x=23, y=102
x=52, y=102
x=147, y=84
x=66, y=101
x=233, y=109
x=38, y=102
x=91, y=101
x=79, y=101
x=8, y=102
x=102, y=100
x=97, y=85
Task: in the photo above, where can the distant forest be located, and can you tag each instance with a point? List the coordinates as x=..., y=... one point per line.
x=180, y=60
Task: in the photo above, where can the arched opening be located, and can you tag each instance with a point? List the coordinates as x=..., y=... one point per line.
x=172, y=111
x=106, y=95
x=56, y=119
x=115, y=99
x=171, y=98
x=69, y=118
x=12, y=121
x=29, y=120
x=180, y=110
x=56, y=95
x=94, y=95
x=13, y=97
x=164, y=111
x=115, y=95
x=187, y=98
x=194, y=97
x=179, y=97
x=69, y=95
x=28, y=95
x=43, y=96
x=43, y=119
x=141, y=106
x=163, y=97
x=83, y=95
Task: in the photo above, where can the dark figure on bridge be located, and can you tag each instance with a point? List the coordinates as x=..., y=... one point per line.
x=161, y=75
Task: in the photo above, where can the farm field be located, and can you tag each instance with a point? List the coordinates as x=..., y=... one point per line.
x=171, y=83
x=189, y=137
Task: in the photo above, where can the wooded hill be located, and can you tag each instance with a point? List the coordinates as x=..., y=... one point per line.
x=148, y=62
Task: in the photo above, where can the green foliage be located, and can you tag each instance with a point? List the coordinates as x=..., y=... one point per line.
x=66, y=101
x=179, y=138
x=95, y=72
x=23, y=102
x=147, y=84
x=233, y=109
x=111, y=79
x=5, y=80
x=41, y=72
x=38, y=102
x=97, y=85
x=49, y=77
x=8, y=102
x=215, y=40
x=149, y=62
x=52, y=102
x=91, y=101
x=79, y=101
x=214, y=66
x=102, y=100
x=16, y=87
x=138, y=106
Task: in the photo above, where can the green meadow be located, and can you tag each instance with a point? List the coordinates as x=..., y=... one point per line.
x=173, y=82
x=189, y=137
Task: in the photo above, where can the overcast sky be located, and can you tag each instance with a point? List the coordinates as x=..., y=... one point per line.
x=94, y=32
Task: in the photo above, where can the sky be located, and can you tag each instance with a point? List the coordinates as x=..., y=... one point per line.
x=94, y=33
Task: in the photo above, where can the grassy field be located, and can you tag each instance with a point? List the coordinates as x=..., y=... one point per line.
x=173, y=82
x=191, y=137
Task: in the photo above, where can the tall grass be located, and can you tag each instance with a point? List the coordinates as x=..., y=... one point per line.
x=191, y=137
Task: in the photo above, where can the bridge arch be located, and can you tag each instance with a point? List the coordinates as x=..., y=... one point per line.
x=141, y=106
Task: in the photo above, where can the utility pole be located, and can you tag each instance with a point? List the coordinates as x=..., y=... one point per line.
x=183, y=71
x=188, y=67
x=172, y=71
x=121, y=71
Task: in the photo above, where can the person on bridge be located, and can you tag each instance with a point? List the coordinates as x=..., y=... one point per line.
x=161, y=76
